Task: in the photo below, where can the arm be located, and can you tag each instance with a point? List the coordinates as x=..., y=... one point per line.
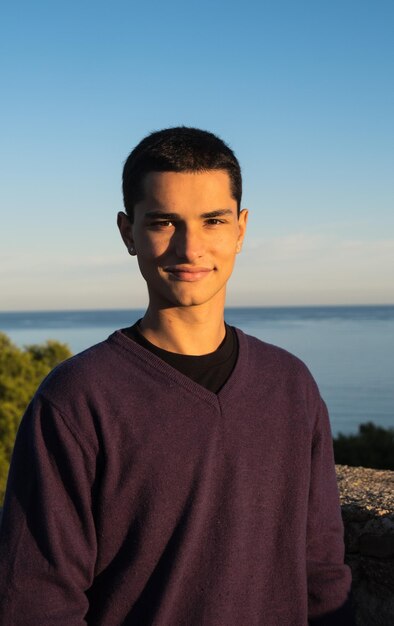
x=47, y=538
x=329, y=580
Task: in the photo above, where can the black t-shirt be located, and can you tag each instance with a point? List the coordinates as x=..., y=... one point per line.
x=209, y=370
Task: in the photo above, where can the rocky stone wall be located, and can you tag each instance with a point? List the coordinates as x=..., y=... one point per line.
x=367, y=500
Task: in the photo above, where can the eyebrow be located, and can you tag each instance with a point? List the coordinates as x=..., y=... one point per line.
x=161, y=214
x=218, y=213
x=174, y=216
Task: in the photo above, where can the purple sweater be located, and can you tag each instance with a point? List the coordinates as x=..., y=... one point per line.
x=138, y=497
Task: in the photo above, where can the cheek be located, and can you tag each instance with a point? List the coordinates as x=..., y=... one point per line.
x=226, y=247
x=150, y=248
x=150, y=252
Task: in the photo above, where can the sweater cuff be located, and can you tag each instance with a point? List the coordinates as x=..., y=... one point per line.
x=344, y=616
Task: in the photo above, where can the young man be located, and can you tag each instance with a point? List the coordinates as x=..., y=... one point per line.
x=181, y=472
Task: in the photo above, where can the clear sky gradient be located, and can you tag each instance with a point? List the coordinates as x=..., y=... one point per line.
x=302, y=91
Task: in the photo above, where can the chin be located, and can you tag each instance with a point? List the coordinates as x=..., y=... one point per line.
x=195, y=299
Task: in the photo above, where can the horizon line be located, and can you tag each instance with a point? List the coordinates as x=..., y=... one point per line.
x=253, y=306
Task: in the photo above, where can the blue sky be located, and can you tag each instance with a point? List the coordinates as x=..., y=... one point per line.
x=302, y=91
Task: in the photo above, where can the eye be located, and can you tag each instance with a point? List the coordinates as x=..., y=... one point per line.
x=161, y=224
x=214, y=221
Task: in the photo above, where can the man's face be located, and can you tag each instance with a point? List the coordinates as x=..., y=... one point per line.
x=186, y=234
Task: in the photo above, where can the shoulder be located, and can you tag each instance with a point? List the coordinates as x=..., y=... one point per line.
x=87, y=365
x=268, y=355
x=278, y=366
x=83, y=390
x=89, y=375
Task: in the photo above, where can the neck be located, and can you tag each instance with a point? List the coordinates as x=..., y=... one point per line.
x=184, y=330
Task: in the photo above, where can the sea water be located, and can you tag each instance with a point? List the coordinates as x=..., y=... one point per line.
x=350, y=350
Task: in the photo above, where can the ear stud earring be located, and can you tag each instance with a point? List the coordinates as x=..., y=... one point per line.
x=131, y=250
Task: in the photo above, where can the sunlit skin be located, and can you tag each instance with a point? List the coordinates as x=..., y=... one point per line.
x=186, y=234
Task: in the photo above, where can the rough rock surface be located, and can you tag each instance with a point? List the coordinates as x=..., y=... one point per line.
x=367, y=499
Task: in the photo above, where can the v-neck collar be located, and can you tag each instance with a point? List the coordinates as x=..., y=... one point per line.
x=156, y=366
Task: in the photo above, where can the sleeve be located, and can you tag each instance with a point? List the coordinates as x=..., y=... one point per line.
x=47, y=537
x=329, y=579
x=344, y=616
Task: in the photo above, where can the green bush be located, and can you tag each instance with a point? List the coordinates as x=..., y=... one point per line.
x=21, y=371
x=372, y=446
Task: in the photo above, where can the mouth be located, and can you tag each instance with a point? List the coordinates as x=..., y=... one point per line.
x=187, y=274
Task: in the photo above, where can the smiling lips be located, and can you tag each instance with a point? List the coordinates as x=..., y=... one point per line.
x=187, y=274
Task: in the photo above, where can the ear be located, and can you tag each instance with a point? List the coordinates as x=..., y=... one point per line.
x=242, y=221
x=126, y=232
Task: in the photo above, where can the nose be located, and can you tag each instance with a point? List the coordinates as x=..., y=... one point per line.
x=189, y=244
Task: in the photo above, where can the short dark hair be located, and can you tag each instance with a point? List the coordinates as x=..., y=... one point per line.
x=178, y=149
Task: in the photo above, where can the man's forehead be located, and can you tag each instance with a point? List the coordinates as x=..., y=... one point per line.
x=207, y=178
x=175, y=195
